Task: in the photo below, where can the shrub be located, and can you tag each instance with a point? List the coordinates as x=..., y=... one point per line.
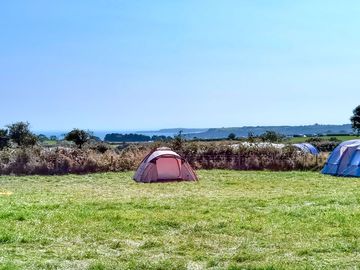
x=243, y=157
x=78, y=136
x=326, y=146
x=232, y=136
x=314, y=140
x=20, y=134
x=272, y=136
x=4, y=139
x=177, y=143
x=99, y=147
x=201, y=155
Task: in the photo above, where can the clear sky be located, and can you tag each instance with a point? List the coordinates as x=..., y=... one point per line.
x=148, y=64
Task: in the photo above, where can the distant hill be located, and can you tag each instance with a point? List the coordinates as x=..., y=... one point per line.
x=184, y=130
x=217, y=133
x=173, y=131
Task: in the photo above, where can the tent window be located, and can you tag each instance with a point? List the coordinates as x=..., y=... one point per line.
x=168, y=168
x=355, y=161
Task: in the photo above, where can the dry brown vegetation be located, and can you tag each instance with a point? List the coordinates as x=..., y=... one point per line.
x=103, y=158
x=226, y=156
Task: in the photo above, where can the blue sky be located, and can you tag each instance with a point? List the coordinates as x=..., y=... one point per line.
x=152, y=64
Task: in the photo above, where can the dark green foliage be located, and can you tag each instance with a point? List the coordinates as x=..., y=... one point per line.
x=232, y=136
x=53, y=138
x=42, y=138
x=100, y=147
x=4, y=138
x=20, y=134
x=115, y=137
x=272, y=136
x=177, y=143
x=78, y=136
x=314, y=140
x=334, y=139
x=159, y=138
x=3, y=132
x=324, y=145
x=355, y=120
x=251, y=137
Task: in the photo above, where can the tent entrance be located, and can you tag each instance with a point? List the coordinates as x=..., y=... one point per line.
x=168, y=168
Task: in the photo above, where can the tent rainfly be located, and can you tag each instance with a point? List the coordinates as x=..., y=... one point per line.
x=307, y=148
x=164, y=165
x=344, y=160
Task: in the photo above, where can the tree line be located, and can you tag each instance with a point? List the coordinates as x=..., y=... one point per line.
x=20, y=134
x=133, y=137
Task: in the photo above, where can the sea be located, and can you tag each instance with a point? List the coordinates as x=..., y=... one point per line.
x=102, y=133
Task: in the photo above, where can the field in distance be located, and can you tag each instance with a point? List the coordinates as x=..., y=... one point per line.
x=325, y=138
x=228, y=220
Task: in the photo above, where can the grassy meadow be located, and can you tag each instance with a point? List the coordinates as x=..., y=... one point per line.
x=227, y=220
x=325, y=138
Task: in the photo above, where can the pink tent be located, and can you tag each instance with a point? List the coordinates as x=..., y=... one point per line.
x=164, y=165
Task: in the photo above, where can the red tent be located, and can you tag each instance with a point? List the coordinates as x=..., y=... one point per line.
x=164, y=165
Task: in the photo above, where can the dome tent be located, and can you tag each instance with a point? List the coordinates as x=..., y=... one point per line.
x=344, y=160
x=164, y=165
x=307, y=148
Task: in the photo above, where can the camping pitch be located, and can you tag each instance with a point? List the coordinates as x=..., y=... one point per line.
x=163, y=165
x=344, y=160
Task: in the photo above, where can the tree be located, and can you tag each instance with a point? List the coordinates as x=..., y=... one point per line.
x=232, y=136
x=177, y=143
x=272, y=136
x=3, y=132
x=42, y=138
x=20, y=134
x=78, y=136
x=355, y=120
x=251, y=137
x=53, y=138
x=4, y=138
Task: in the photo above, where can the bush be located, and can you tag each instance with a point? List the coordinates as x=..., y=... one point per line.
x=314, y=140
x=4, y=142
x=20, y=134
x=334, y=139
x=99, y=147
x=201, y=155
x=272, y=136
x=326, y=146
x=255, y=157
x=78, y=136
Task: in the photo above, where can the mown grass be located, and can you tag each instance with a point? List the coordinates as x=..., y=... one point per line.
x=228, y=220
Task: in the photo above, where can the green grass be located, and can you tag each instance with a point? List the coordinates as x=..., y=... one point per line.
x=49, y=143
x=340, y=138
x=228, y=220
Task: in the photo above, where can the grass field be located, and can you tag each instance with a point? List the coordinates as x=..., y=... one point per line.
x=340, y=138
x=228, y=220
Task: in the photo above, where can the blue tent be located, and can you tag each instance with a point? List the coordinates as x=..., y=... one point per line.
x=307, y=148
x=344, y=160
